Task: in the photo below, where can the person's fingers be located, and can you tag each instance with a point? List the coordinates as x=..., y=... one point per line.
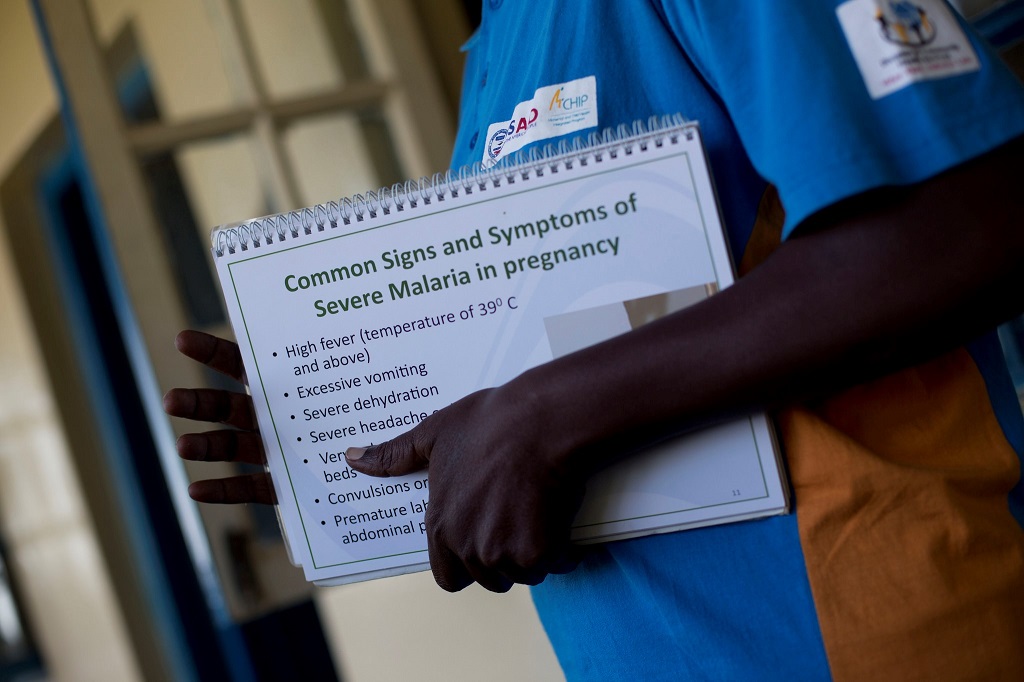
x=222, y=446
x=235, y=490
x=489, y=579
x=214, y=352
x=211, y=405
x=449, y=572
x=520, y=575
x=392, y=458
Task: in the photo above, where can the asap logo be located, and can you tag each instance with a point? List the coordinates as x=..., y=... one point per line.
x=516, y=126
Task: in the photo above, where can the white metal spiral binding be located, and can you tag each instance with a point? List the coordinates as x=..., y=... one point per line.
x=474, y=178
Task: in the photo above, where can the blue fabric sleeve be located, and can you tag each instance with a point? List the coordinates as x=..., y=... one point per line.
x=786, y=73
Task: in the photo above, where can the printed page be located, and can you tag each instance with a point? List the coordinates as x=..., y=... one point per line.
x=355, y=335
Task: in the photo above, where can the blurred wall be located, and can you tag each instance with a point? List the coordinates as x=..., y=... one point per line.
x=470, y=636
x=54, y=556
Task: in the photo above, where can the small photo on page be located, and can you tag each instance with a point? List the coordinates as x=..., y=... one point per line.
x=569, y=332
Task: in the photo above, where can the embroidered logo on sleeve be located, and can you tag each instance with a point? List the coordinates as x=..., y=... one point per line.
x=552, y=111
x=899, y=42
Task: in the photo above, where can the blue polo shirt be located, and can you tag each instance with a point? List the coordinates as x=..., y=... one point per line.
x=878, y=571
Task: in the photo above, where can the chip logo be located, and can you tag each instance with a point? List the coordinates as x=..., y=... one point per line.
x=905, y=23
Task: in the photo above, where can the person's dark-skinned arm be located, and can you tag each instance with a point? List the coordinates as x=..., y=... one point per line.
x=880, y=281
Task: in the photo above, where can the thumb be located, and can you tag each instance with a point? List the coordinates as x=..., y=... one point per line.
x=395, y=457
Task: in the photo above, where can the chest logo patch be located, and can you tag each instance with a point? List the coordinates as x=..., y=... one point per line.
x=899, y=42
x=553, y=110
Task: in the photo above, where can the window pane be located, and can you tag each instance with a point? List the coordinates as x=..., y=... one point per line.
x=339, y=155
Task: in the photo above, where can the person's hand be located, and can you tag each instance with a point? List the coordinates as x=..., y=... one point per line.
x=501, y=499
x=241, y=444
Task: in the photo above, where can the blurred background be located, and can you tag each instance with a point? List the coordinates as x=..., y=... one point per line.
x=128, y=129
